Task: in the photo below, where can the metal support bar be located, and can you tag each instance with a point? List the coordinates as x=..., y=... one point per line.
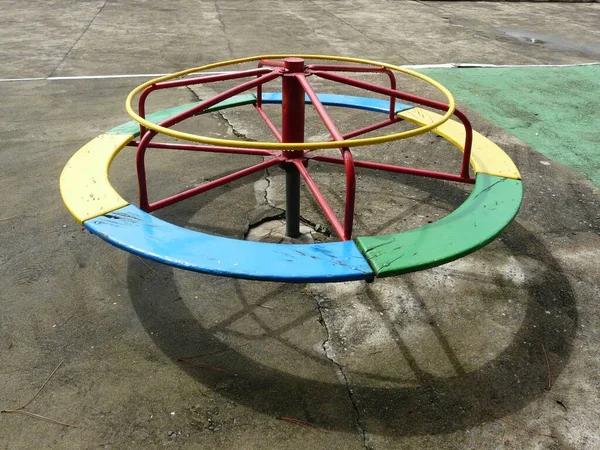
x=320, y=198
x=361, y=69
x=149, y=135
x=346, y=154
x=397, y=169
x=206, y=148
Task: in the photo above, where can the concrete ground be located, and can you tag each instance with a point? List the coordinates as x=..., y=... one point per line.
x=498, y=350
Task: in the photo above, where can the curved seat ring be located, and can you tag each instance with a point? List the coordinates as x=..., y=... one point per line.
x=491, y=206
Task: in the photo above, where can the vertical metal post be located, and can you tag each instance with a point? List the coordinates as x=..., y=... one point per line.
x=292, y=121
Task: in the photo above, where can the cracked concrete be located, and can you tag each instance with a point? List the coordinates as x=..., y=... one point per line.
x=331, y=356
x=78, y=39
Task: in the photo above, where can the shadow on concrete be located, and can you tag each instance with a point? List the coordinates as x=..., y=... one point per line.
x=438, y=405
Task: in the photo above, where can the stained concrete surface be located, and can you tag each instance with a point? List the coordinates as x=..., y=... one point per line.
x=497, y=350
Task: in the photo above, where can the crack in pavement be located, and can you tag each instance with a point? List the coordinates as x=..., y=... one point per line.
x=78, y=39
x=330, y=355
x=235, y=132
x=225, y=33
x=358, y=30
x=266, y=193
x=223, y=117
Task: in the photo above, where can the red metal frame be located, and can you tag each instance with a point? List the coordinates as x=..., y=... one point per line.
x=415, y=99
x=295, y=84
x=197, y=109
x=206, y=148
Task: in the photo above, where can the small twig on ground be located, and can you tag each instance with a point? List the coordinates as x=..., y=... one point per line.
x=302, y=423
x=37, y=416
x=208, y=366
x=548, y=365
x=265, y=306
x=43, y=386
x=22, y=409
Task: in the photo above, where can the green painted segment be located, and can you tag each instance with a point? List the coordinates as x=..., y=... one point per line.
x=553, y=109
x=492, y=205
x=132, y=127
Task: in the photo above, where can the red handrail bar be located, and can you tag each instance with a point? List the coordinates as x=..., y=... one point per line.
x=415, y=99
x=361, y=69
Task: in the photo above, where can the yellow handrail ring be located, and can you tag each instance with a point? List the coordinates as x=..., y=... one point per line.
x=291, y=146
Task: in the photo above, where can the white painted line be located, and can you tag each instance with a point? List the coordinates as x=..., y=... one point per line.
x=22, y=79
x=492, y=66
x=430, y=66
x=103, y=77
x=411, y=66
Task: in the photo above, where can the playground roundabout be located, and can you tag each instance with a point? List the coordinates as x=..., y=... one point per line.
x=491, y=206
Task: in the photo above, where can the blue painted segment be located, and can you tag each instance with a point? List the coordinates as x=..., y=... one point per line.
x=346, y=101
x=135, y=231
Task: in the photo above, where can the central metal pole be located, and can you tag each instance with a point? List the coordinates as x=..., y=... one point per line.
x=292, y=120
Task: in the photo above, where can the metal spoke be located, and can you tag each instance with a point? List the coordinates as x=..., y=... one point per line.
x=213, y=184
x=333, y=220
x=397, y=169
x=206, y=148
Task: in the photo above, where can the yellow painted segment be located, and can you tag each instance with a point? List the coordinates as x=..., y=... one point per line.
x=486, y=157
x=290, y=146
x=84, y=184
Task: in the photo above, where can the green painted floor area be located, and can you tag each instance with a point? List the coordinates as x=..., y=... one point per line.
x=556, y=110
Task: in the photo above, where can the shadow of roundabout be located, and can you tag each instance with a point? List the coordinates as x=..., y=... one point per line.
x=437, y=405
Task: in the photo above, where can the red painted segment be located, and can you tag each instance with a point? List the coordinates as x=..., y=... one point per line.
x=360, y=69
x=292, y=105
x=369, y=128
x=193, y=81
x=261, y=112
x=350, y=171
x=270, y=62
x=148, y=135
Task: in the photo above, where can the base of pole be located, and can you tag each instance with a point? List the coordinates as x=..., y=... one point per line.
x=292, y=201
